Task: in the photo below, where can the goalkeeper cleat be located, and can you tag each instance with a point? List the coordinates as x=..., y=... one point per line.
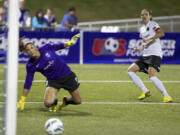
x=167, y=99
x=144, y=95
x=53, y=108
x=63, y=103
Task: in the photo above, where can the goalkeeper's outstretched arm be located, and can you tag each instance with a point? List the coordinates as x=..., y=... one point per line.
x=73, y=41
x=25, y=92
x=70, y=43
x=21, y=102
x=27, y=86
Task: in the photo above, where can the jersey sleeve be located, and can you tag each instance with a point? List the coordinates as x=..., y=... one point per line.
x=29, y=78
x=155, y=26
x=68, y=18
x=58, y=46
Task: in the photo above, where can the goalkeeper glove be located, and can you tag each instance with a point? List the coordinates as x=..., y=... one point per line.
x=73, y=40
x=21, y=103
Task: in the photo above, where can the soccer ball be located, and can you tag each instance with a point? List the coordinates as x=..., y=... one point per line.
x=54, y=126
x=111, y=45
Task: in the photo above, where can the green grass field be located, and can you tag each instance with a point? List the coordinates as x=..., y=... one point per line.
x=109, y=108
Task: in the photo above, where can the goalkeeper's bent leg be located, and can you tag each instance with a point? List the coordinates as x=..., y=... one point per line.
x=75, y=99
x=50, y=97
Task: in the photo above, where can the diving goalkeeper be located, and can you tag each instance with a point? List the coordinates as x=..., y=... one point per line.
x=57, y=72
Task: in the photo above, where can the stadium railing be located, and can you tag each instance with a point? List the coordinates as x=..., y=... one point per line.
x=168, y=24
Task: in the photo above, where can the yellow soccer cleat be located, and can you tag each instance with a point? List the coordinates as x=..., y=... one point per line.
x=167, y=99
x=63, y=103
x=53, y=108
x=144, y=95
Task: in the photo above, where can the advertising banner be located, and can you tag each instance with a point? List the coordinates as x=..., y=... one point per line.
x=119, y=47
x=112, y=48
x=40, y=38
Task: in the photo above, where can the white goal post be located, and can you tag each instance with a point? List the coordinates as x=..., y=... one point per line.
x=12, y=67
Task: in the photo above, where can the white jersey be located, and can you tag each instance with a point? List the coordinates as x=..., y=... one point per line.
x=152, y=47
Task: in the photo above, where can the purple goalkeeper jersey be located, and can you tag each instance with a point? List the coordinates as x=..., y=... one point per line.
x=49, y=64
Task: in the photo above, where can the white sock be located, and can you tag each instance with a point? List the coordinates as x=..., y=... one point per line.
x=137, y=81
x=159, y=85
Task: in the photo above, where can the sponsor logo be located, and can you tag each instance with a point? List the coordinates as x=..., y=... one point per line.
x=47, y=55
x=63, y=52
x=168, y=47
x=134, y=43
x=50, y=63
x=40, y=42
x=109, y=46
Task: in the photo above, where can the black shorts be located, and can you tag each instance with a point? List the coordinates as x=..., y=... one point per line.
x=145, y=62
x=69, y=82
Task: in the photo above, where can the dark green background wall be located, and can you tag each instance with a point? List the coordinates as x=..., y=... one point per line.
x=93, y=10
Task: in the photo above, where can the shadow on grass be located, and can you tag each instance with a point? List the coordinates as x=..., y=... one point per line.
x=65, y=112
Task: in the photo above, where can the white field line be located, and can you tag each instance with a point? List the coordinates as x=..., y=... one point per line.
x=115, y=103
x=98, y=66
x=104, y=65
x=101, y=81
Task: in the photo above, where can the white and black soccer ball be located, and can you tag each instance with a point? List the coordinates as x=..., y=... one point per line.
x=111, y=45
x=54, y=126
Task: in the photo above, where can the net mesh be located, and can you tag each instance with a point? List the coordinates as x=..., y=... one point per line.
x=3, y=48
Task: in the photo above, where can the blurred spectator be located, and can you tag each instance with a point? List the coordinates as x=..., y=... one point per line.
x=2, y=21
x=69, y=20
x=50, y=18
x=39, y=21
x=25, y=19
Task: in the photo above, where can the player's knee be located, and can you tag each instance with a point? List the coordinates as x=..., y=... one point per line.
x=78, y=101
x=48, y=103
x=129, y=70
x=133, y=68
x=151, y=73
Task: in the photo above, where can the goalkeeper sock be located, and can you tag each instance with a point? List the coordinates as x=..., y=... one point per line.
x=70, y=101
x=55, y=102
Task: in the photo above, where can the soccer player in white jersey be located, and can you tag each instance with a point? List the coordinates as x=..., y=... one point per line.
x=149, y=62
